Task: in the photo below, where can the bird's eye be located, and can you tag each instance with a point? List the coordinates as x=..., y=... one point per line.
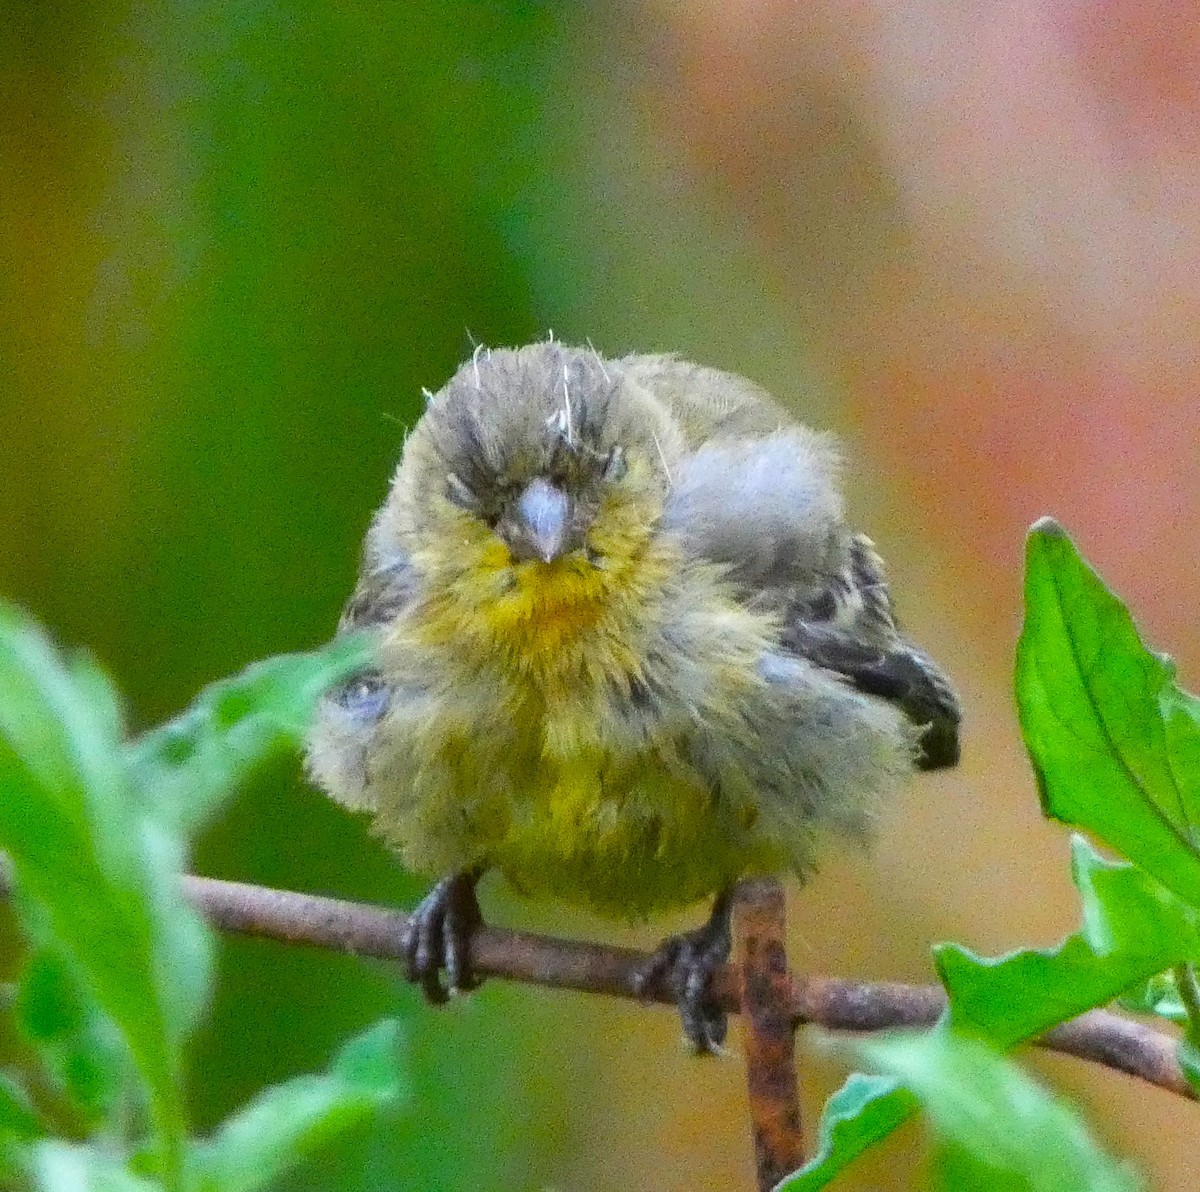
x=614, y=465
x=563, y=457
x=458, y=493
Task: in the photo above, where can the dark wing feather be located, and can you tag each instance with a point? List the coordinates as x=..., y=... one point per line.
x=346, y=728
x=850, y=628
x=385, y=586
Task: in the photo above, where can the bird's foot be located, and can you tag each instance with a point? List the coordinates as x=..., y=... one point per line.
x=438, y=935
x=685, y=965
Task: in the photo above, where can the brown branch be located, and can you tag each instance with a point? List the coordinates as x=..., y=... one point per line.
x=832, y=1002
x=770, y=1038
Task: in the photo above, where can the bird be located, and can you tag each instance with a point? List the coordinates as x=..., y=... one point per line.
x=627, y=653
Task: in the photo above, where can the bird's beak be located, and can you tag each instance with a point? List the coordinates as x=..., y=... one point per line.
x=543, y=517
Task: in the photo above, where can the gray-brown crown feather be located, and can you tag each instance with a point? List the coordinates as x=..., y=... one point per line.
x=508, y=410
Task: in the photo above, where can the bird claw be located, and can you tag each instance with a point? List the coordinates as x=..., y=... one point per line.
x=684, y=964
x=438, y=935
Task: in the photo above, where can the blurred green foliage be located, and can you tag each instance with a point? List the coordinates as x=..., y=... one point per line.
x=120, y=970
x=238, y=239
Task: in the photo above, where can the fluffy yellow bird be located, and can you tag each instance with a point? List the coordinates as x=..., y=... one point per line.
x=628, y=653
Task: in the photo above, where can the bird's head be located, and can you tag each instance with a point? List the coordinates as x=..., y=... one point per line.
x=529, y=496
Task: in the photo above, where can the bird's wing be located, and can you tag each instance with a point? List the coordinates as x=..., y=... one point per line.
x=386, y=585
x=344, y=731
x=758, y=493
x=751, y=490
x=849, y=628
x=705, y=402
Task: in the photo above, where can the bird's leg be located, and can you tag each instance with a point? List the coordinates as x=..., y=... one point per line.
x=686, y=964
x=438, y=935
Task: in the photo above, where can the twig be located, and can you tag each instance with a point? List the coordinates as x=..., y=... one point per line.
x=770, y=1038
x=832, y=1002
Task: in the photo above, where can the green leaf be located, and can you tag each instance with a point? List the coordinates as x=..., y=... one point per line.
x=1157, y=996
x=82, y=1051
x=1115, y=744
x=1181, y=716
x=19, y=1123
x=57, y=1166
x=291, y=1120
x=1132, y=928
x=18, y=1119
x=993, y=1120
x=863, y=1111
x=189, y=765
x=1189, y=1063
x=102, y=876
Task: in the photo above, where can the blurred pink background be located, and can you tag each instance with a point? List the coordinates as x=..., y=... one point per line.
x=983, y=220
